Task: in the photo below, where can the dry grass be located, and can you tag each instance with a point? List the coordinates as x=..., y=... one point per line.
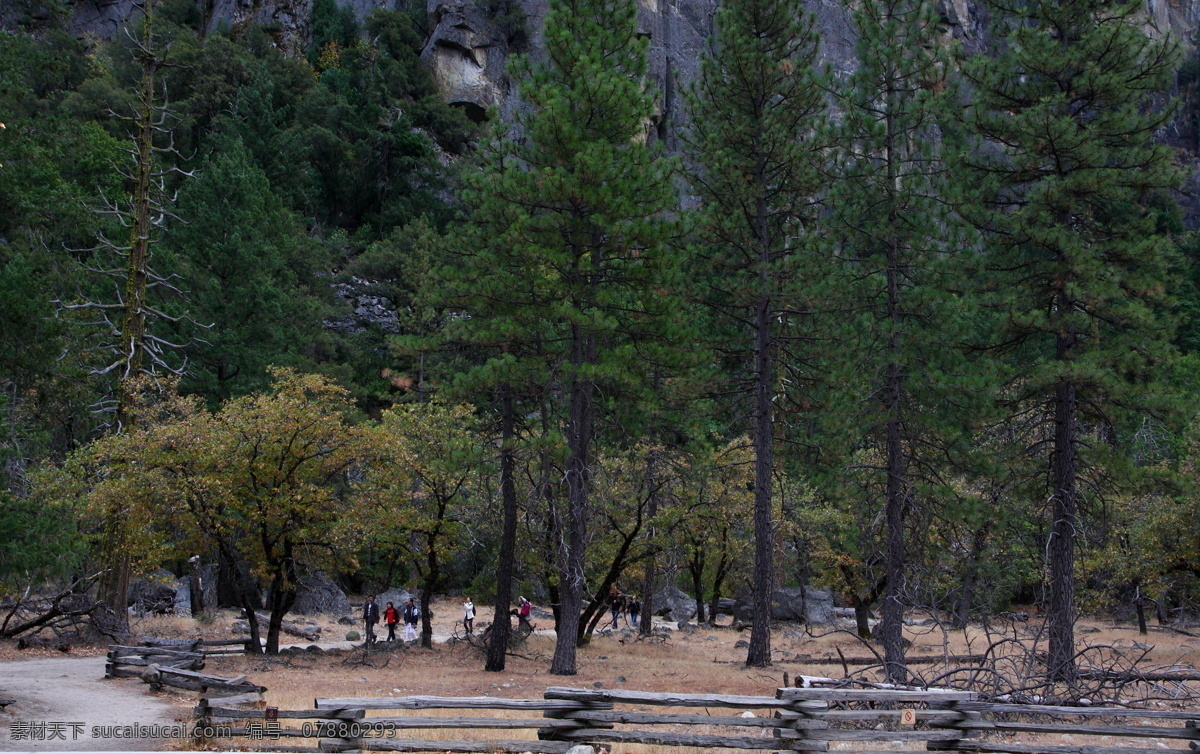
x=701, y=661
x=705, y=660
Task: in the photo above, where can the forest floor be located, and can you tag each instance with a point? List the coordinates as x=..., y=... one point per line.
x=698, y=659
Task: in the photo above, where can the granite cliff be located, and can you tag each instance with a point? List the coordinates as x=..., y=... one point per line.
x=470, y=41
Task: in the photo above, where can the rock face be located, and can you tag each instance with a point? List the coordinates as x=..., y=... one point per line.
x=318, y=595
x=674, y=604
x=366, y=309
x=467, y=51
x=471, y=41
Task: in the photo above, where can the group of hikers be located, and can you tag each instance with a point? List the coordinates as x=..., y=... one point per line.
x=624, y=604
x=391, y=616
x=411, y=614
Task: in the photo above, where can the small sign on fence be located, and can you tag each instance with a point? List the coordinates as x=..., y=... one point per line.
x=272, y=713
x=908, y=717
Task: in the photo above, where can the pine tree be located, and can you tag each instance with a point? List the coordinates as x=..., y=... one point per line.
x=562, y=267
x=756, y=113
x=904, y=327
x=250, y=272
x=1067, y=111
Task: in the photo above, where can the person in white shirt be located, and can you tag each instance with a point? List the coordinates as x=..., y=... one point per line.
x=469, y=616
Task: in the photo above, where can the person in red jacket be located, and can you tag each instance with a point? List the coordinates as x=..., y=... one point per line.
x=391, y=616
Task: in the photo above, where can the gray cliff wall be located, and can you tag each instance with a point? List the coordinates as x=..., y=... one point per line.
x=471, y=41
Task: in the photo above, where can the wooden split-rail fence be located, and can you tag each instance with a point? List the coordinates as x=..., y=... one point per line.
x=176, y=663
x=795, y=719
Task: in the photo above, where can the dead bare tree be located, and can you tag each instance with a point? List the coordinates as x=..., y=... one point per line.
x=128, y=348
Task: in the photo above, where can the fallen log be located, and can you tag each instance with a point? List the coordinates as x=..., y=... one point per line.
x=294, y=629
x=453, y=702
x=190, y=645
x=911, y=660
x=1152, y=677
x=458, y=747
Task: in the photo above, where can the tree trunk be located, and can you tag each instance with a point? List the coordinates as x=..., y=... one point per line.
x=696, y=569
x=966, y=597
x=572, y=555
x=114, y=585
x=596, y=609
x=255, y=641
x=862, y=618
x=195, y=586
x=722, y=570
x=497, y=650
x=891, y=626
x=1060, y=617
x=646, y=617
x=759, y=653
x=426, y=614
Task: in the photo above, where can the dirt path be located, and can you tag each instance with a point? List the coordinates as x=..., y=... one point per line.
x=72, y=691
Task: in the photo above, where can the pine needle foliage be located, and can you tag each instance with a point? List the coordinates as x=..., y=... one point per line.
x=757, y=112
x=907, y=384
x=1067, y=111
x=564, y=270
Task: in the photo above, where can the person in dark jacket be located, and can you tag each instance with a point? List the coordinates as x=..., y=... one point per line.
x=370, y=618
x=412, y=614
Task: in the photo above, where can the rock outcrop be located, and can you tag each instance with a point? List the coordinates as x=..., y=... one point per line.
x=319, y=595
x=673, y=604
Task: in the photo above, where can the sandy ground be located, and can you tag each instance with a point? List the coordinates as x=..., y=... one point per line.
x=52, y=688
x=73, y=690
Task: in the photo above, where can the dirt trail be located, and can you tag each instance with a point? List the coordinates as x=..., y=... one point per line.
x=73, y=690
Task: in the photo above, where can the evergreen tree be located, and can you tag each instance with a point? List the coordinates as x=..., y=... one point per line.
x=757, y=111
x=251, y=273
x=562, y=267
x=905, y=325
x=1067, y=111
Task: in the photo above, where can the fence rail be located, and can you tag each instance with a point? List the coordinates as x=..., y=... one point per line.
x=794, y=719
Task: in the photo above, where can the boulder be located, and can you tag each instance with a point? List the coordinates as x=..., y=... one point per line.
x=183, y=597
x=319, y=595
x=208, y=584
x=802, y=603
x=153, y=593
x=674, y=604
x=398, y=597
x=793, y=603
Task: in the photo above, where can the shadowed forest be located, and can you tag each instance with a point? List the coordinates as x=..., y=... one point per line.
x=922, y=334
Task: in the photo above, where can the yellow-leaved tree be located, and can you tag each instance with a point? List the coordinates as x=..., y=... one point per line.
x=429, y=462
x=268, y=480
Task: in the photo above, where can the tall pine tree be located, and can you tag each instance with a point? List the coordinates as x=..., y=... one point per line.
x=1067, y=112
x=756, y=112
x=904, y=327
x=563, y=266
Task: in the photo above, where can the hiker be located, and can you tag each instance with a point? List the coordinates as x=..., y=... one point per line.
x=370, y=618
x=391, y=616
x=523, y=613
x=635, y=609
x=618, y=603
x=469, y=616
x=411, y=616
